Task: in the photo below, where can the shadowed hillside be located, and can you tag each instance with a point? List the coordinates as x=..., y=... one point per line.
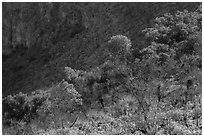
x=39, y=39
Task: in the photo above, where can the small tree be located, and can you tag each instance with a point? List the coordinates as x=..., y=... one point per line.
x=119, y=46
x=174, y=37
x=64, y=100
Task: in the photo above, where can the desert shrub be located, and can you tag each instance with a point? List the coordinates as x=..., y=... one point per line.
x=99, y=122
x=173, y=29
x=174, y=37
x=71, y=74
x=83, y=81
x=119, y=46
x=173, y=53
x=13, y=106
x=55, y=107
x=22, y=107
x=19, y=128
x=109, y=78
x=63, y=102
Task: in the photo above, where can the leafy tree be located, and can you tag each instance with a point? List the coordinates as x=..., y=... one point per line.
x=174, y=37
x=119, y=46
x=63, y=101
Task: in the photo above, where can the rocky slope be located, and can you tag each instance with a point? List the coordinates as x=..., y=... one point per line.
x=40, y=39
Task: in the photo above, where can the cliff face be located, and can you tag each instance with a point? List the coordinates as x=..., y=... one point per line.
x=30, y=24
x=40, y=39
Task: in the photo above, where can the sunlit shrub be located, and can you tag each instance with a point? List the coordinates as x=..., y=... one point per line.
x=22, y=107
x=63, y=102
x=119, y=46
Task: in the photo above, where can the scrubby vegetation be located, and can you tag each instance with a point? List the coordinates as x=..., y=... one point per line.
x=159, y=93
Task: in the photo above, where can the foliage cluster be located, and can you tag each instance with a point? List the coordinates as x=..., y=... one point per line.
x=53, y=106
x=21, y=107
x=175, y=42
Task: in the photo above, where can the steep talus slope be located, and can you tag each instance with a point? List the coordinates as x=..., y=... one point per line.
x=47, y=37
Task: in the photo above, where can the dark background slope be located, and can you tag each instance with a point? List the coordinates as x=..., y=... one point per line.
x=40, y=39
